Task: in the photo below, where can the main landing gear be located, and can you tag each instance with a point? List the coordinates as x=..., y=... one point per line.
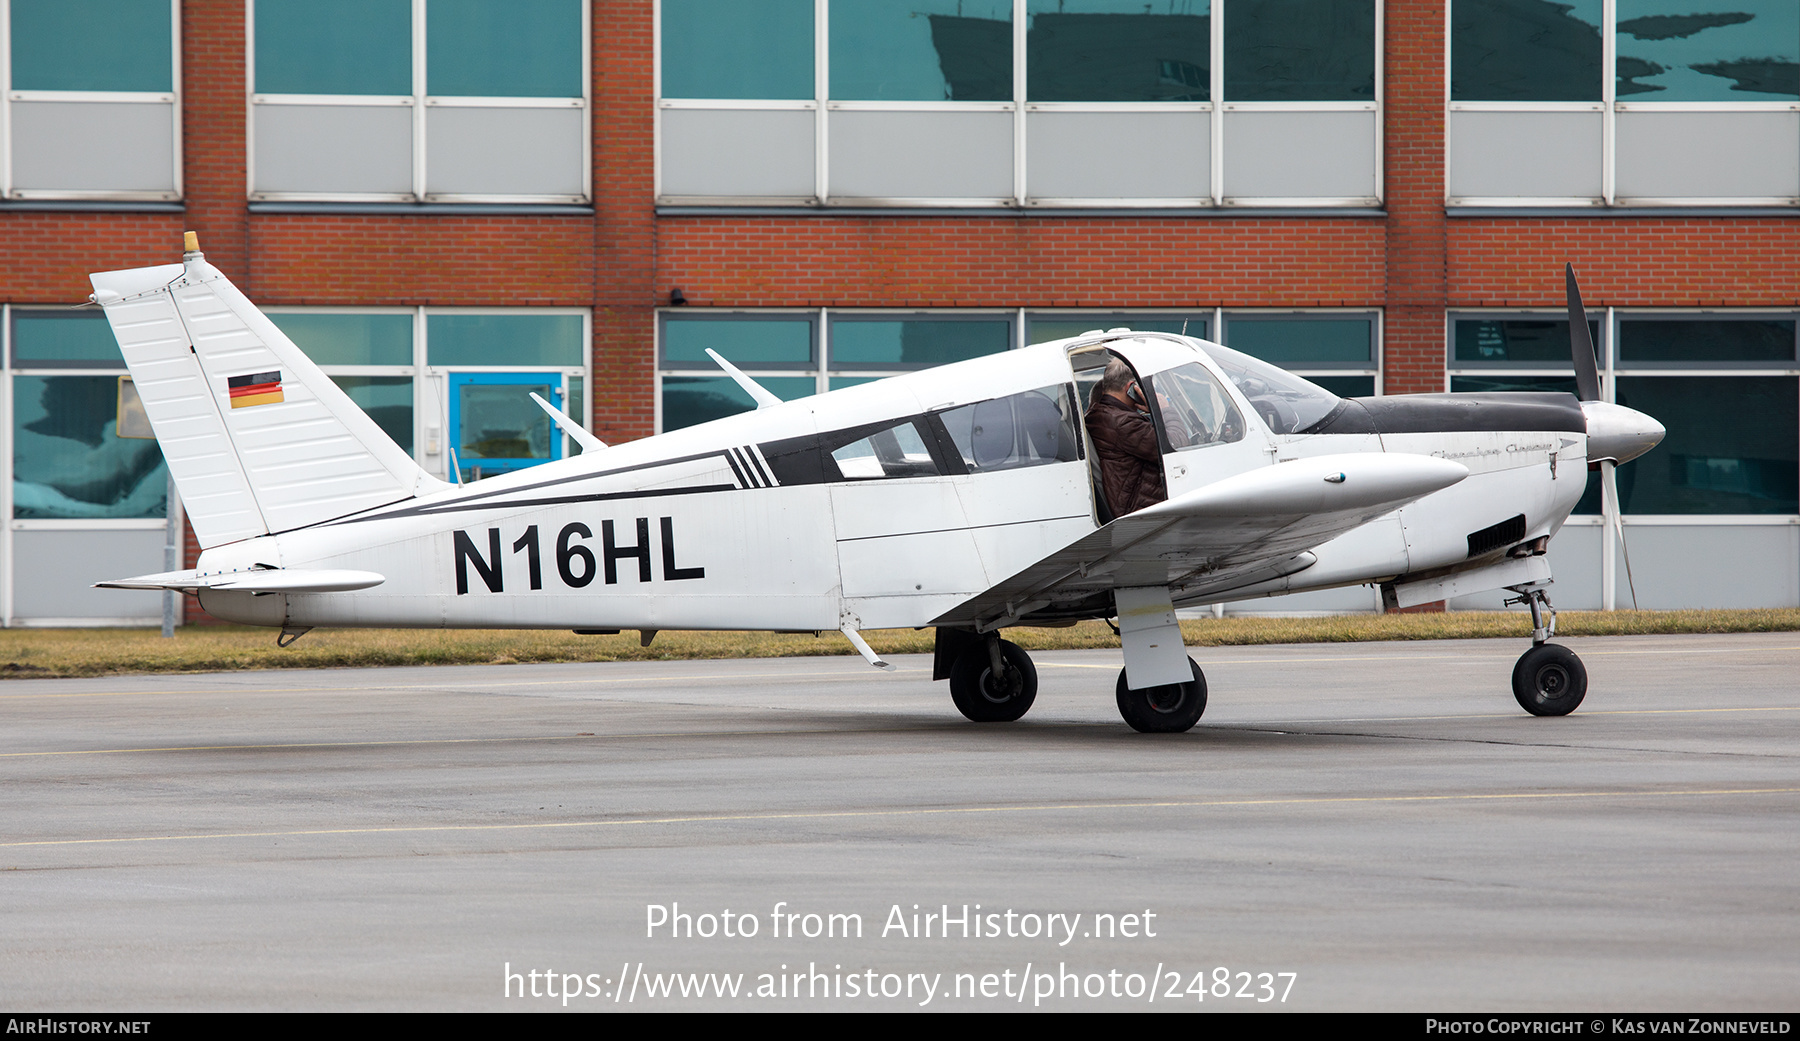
x=1170, y=709
x=1549, y=680
x=993, y=681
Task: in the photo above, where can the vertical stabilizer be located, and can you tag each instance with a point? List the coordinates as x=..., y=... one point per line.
x=259, y=440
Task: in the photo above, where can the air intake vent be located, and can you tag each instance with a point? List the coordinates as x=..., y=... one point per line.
x=1497, y=536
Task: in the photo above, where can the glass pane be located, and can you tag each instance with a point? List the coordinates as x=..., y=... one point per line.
x=1533, y=340
x=1346, y=386
x=1063, y=326
x=500, y=421
x=1285, y=402
x=68, y=460
x=494, y=49
x=1731, y=446
x=919, y=344
x=577, y=410
x=1286, y=341
x=1525, y=50
x=388, y=400
x=350, y=339
x=92, y=45
x=504, y=339
x=689, y=400
x=746, y=343
x=1300, y=50
x=333, y=47
x=64, y=340
x=921, y=50
x=1709, y=50
x=1196, y=411
x=1590, y=499
x=898, y=451
x=1030, y=429
x=733, y=49
x=1704, y=340
x=1118, y=50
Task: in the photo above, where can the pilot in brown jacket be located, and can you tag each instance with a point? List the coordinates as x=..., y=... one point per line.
x=1131, y=468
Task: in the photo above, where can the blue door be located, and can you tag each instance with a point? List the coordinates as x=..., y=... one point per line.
x=496, y=428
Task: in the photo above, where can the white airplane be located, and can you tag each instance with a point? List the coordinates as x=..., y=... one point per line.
x=966, y=497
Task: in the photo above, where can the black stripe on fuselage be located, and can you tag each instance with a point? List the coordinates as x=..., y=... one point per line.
x=751, y=453
x=731, y=458
x=1447, y=413
x=490, y=501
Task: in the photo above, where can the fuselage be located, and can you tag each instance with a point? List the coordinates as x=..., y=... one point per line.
x=888, y=504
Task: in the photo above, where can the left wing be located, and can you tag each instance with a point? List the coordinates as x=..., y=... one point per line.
x=1248, y=528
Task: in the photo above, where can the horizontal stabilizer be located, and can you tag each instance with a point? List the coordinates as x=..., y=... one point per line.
x=260, y=580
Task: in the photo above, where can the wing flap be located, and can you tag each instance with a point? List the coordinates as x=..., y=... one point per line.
x=1249, y=527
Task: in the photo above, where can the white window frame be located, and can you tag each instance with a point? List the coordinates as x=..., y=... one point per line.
x=8, y=96
x=419, y=102
x=1609, y=107
x=822, y=105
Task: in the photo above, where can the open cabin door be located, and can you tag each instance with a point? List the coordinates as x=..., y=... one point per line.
x=1204, y=433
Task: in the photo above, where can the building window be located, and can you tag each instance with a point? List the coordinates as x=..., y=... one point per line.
x=1019, y=103
x=1335, y=349
x=90, y=107
x=85, y=489
x=453, y=386
x=419, y=101
x=1726, y=386
x=796, y=354
x=68, y=460
x=1700, y=103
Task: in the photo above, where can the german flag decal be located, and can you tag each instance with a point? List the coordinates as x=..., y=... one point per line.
x=261, y=388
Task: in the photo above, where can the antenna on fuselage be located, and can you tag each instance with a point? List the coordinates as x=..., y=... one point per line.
x=587, y=441
x=757, y=392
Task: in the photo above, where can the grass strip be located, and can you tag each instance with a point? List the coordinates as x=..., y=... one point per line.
x=44, y=653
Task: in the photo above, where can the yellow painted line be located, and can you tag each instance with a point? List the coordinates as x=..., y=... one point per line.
x=725, y=818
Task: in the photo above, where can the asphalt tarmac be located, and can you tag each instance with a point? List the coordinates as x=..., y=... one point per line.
x=1350, y=827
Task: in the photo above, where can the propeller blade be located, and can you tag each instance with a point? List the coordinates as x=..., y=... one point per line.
x=1581, y=344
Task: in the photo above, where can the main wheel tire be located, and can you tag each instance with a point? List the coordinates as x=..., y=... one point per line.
x=985, y=698
x=1549, y=680
x=1170, y=709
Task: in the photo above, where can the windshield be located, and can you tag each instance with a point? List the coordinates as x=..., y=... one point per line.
x=1287, y=403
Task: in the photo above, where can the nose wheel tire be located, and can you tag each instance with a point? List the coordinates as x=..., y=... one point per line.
x=1549, y=680
x=986, y=698
x=1170, y=709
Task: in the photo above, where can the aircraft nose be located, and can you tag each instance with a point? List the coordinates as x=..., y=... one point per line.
x=1618, y=433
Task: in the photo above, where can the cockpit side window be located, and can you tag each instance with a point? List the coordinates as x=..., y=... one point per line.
x=1035, y=428
x=1196, y=411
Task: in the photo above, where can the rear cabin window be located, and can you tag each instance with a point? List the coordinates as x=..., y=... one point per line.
x=1035, y=428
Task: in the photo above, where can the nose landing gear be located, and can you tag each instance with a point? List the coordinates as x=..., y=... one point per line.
x=1548, y=680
